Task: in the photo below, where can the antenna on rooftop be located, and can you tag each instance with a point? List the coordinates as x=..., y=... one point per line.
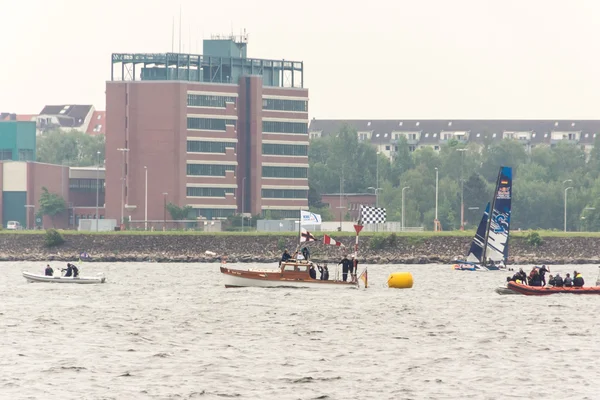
x=180, y=28
x=173, y=36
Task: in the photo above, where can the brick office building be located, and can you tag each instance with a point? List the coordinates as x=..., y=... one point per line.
x=211, y=131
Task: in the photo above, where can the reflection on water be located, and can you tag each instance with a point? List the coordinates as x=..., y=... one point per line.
x=166, y=331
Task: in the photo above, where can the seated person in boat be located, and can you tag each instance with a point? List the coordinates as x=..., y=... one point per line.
x=285, y=256
x=49, y=271
x=324, y=272
x=75, y=271
x=578, y=280
x=534, y=278
x=522, y=276
x=305, y=253
x=69, y=270
x=312, y=273
x=518, y=278
x=558, y=280
x=568, y=281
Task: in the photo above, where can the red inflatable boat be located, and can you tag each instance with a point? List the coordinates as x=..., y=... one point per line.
x=542, y=291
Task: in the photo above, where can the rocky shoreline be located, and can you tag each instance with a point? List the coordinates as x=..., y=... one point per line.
x=267, y=249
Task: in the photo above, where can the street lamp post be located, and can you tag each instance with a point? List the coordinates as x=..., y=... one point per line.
x=565, y=225
x=435, y=222
x=243, y=198
x=565, y=215
x=165, y=211
x=123, y=150
x=462, y=191
x=403, y=189
x=97, y=186
x=28, y=206
x=377, y=181
x=146, y=201
x=340, y=206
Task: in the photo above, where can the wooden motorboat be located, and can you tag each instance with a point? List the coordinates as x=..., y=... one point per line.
x=290, y=274
x=546, y=290
x=63, y=279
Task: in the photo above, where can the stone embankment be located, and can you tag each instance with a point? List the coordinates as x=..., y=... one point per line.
x=263, y=248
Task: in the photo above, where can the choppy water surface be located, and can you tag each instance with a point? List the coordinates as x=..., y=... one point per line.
x=172, y=331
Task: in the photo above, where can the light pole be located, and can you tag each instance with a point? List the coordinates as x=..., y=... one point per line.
x=146, y=201
x=570, y=187
x=123, y=150
x=435, y=222
x=97, y=187
x=340, y=206
x=403, y=189
x=377, y=181
x=243, y=198
x=376, y=191
x=462, y=191
x=165, y=211
x=28, y=206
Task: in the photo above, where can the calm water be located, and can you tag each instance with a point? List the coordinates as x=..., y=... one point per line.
x=172, y=331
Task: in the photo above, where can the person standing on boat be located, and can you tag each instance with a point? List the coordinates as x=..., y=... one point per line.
x=543, y=271
x=354, y=266
x=49, y=271
x=345, y=267
x=311, y=272
x=305, y=253
x=75, y=271
x=578, y=280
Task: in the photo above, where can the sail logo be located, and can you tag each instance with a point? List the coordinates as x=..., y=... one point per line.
x=503, y=193
x=501, y=225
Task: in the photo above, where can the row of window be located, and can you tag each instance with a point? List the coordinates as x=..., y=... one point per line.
x=25, y=155
x=280, y=214
x=195, y=146
x=285, y=105
x=209, y=169
x=85, y=184
x=210, y=213
x=284, y=194
x=285, y=149
x=200, y=100
x=284, y=127
x=208, y=192
x=284, y=172
x=211, y=124
x=5, y=154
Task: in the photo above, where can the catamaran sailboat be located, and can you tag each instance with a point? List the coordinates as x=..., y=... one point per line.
x=489, y=248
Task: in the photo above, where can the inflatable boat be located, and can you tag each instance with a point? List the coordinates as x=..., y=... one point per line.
x=542, y=291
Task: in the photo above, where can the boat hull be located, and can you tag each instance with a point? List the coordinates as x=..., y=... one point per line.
x=544, y=291
x=477, y=267
x=273, y=279
x=63, y=279
x=505, y=290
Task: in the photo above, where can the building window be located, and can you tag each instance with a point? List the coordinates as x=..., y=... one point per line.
x=285, y=127
x=387, y=148
x=211, y=124
x=210, y=213
x=284, y=194
x=195, y=146
x=284, y=172
x=86, y=184
x=200, y=100
x=280, y=214
x=208, y=192
x=25, y=155
x=285, y=105
x=5, y=154
x=285, y=149
x=209, y=169
x=412, y=148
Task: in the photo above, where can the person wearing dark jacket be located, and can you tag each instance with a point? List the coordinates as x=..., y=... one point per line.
x=346, y=265
x=75, y=271
x=324, y=272
x=49, y=271
x=578, y=280
x=312, y=273
x=543, y=271
x=558, y=281
x=69, y=270
x=305, y=253
x=285, y=256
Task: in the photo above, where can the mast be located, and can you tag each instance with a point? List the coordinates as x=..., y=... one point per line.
x=489, y=221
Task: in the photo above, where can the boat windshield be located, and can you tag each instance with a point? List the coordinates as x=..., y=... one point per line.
x=295, y=268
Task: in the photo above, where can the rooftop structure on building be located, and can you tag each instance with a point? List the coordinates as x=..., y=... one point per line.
x=384, y=134
x=220, y=132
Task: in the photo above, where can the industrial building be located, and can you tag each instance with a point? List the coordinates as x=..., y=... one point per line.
x=220, y=132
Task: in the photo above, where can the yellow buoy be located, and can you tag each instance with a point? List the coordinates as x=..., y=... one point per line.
x=400, y=280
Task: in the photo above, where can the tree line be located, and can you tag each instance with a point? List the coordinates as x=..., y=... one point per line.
x=539, y=180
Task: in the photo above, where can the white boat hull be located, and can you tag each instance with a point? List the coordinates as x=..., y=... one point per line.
x=63, y=279
x=238, y=281
x=505, y=290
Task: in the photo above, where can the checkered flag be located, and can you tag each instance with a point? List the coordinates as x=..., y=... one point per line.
x=372, y=215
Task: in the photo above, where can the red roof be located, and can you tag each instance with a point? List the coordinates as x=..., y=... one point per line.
x=19, y=117
x=97, y=123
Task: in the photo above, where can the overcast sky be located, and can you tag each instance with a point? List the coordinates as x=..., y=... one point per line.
x=381, y=59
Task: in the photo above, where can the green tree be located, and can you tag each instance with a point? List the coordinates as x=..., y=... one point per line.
x=179, y=213
x=51, y=204
x=70, y=148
